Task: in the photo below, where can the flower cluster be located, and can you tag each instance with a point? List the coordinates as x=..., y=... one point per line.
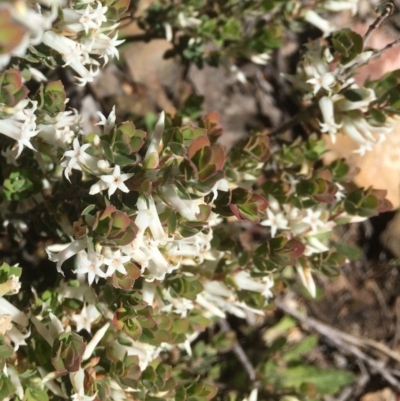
x=345, y=107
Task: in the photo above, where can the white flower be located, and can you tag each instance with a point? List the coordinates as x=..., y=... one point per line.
x=116, y=263
x=325, y=81
x=340, y=5
x=6, y=308
x=185, y=207
x=186, y=22
x=90, y=264
x=89, y=314
x=157, y=266
x=21, y=125
x=260, y=59
x=77, y=158
x=95, y=341
x=245, y=282
x=79, y=20
x=77, y=381
x=69, y=250
x=103, y=45
x=111, y=182
x=314, y=245
x=307, y=279
x=253, y=395
x=343, y=104
x=217, y=299
x=322, y=24
x=275, y=221
x=178, y=305
x=329, y=125
x=152, y=150
x=109, y=122
x=313, y=219
x=147, y=216
x=74, y=54
x=145, y=352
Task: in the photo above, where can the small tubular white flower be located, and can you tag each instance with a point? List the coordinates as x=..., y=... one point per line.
x=95, y=341
x=245, y=282
x=14, y=378
x=147, y=217
x=187, y=208
x=343, y=104
x=186, y=22
x=329, y=125
x=77, y=381
x=109, y=122
x=338, y=5
x=307, y=280
x=6, y=308
x=314, y=245
x=21, y=125
x=74, y=54
x=152, y=150
x=145, y=352
x=253, y=395
x=260, y=59
x=157, y=266
x=360, y=132
x=111, y=182
x=69, y=250
x=217, y=298
x=322, y=24
x=168, y=32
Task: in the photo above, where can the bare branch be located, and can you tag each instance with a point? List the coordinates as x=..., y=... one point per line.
x=239, y=352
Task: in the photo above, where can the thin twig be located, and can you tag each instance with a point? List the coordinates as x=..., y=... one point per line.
x=239, y=352
x=387, y=47
x=346, y=341
x=388, y=10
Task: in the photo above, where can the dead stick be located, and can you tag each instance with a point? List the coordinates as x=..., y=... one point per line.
x=388, y=9
x=239, y=352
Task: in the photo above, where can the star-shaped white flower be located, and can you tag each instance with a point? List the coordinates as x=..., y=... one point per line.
x=116, y=263
x=275, y=221
x=113, y=182
x=89, y=314
x=313, y=219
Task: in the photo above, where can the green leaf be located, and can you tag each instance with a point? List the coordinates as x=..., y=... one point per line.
x=326, y=381
x=350, y=251
x=348, y=44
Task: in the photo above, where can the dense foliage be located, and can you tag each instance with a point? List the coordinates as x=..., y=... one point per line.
x=132, y=243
